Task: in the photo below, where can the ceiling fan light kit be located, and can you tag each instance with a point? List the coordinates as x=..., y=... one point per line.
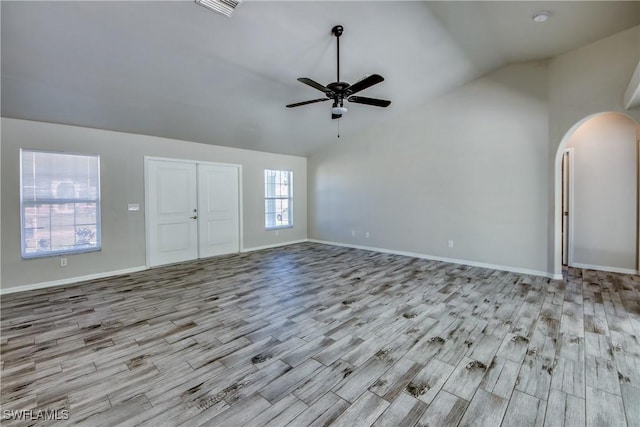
x=338, y=110
x=339, y=91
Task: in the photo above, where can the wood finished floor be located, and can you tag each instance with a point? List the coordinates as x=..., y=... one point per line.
x=316, y=335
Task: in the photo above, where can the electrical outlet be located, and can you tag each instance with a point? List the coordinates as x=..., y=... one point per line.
x=366, y=235
x=63, y=262
x=450, y=243
x=277, y=232
x=353, y=233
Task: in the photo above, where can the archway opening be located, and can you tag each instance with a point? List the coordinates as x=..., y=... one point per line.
x=604, y=222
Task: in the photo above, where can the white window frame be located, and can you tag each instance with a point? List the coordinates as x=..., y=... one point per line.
x=53, y=200
x=273, y=198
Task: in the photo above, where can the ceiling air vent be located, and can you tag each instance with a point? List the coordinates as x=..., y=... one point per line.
x=223, y=7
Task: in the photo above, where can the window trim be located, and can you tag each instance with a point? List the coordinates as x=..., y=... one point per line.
x=290, y=199
x=51, y=201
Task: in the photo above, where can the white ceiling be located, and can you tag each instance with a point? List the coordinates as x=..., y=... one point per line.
x=177, y=70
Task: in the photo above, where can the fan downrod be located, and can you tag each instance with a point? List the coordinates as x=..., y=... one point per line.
x=337, y=31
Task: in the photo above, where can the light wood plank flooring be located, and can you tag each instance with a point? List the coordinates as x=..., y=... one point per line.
x=316, y=335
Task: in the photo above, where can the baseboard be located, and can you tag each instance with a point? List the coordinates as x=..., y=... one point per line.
x=275, y=245
x=70, y=280
x=443, y=259
x=604, y=268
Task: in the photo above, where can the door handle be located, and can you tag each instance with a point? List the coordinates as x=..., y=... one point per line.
x=194, y=217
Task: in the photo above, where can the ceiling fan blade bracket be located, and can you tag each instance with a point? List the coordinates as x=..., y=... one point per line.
x=373, y=79
x=314, y=84
x=369, y=101
x=298, y=104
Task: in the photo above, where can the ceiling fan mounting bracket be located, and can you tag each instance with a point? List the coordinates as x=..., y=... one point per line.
x=338, y=86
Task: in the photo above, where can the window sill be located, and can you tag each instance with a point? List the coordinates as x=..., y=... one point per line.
x=60, y=254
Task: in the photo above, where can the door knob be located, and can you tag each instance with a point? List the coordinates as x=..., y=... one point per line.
x=194, y=217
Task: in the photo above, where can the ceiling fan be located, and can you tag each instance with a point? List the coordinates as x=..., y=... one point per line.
x=339, y=91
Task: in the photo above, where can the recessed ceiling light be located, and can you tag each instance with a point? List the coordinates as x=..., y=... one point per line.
x=541, y=16
x=223, y=7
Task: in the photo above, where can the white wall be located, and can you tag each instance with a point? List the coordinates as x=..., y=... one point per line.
x=589, y=80
x=583, y=82
x=469, y=167
x=605, y=193
x=122, y=174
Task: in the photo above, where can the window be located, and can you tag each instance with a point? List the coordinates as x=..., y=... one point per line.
x=278, y=199
x=60, y=203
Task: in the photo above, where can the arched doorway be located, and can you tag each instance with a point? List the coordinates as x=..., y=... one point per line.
x=591, y=128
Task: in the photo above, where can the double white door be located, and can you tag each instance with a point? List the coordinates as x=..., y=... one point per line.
x=192, y=211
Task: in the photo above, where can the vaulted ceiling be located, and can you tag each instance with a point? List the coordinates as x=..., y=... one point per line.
x=175, y=69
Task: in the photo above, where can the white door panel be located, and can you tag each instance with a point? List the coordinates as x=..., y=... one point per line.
x=173, y=237
x=219, y=231
x=171, y=199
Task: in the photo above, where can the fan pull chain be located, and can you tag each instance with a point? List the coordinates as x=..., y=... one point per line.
x=338, y=128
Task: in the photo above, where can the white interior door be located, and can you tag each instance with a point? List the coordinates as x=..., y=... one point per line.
x=171, y=208
x=218, y=210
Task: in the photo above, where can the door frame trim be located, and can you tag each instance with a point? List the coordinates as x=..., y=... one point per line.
x=147, y=159
x=570, y=202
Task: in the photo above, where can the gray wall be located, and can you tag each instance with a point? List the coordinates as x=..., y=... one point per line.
x=477, y=166
x=583, y=82
x=122, y=174
x=469, y=167
x=605, y=175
